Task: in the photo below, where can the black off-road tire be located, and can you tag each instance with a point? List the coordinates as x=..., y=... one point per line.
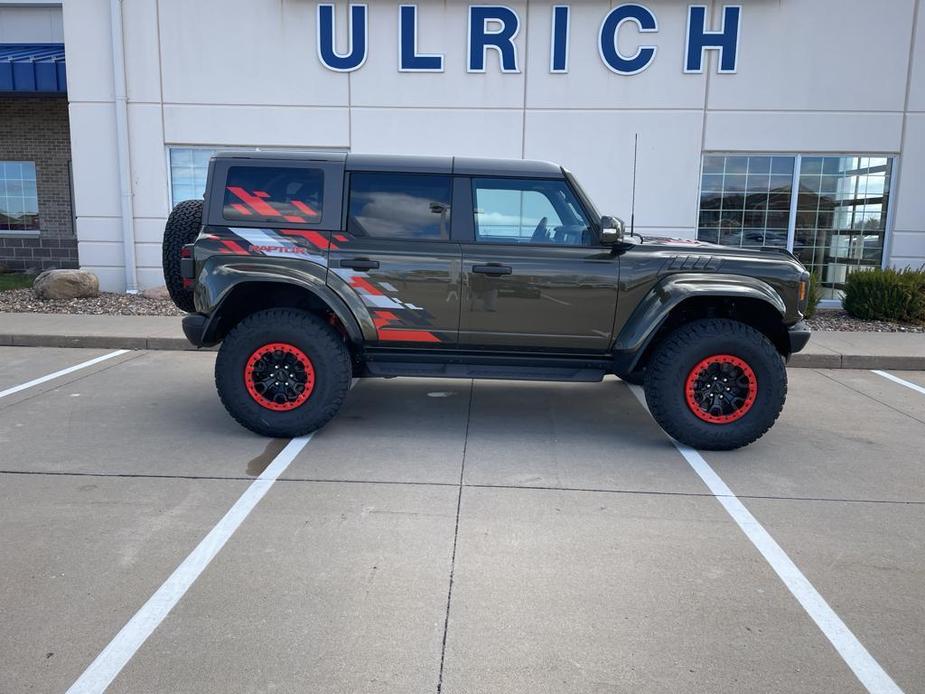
x=677, y=355
x=318, y=341
x=182, y=227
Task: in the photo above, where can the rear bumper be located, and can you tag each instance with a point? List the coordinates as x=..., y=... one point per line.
x=799, y=335
x=194, y=327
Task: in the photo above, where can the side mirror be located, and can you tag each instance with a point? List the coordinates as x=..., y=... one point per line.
x=612, y=229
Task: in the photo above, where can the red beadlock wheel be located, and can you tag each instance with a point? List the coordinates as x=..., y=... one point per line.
x=279, y=376
x=721, y=389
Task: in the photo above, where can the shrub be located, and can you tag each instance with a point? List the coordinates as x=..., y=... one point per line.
x=897, y=295
x=815, y=294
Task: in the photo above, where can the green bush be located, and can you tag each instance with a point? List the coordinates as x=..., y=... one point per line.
x=896, y=295
x=815, y=294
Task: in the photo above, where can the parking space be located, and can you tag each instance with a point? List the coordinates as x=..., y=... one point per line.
x=15, y=362
x=593, y=592
x=845, y=496
x=580, y=553
x=81, y=555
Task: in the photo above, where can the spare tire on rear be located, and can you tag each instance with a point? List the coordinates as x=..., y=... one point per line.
x=182, y=228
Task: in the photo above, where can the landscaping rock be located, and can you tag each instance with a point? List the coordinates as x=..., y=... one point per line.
x=156, y=293
x=66, y=284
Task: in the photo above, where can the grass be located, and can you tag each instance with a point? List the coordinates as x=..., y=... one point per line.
x=15, y=280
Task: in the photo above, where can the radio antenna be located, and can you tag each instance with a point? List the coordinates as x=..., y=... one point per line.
x=633, y=201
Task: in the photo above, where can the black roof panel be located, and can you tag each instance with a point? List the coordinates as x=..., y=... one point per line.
x=282, y=156
x=399, y=163
x=470, y=166
x=466, y=166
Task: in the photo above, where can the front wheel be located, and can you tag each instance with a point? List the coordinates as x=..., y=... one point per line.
x=282, y=372
x=716, y=384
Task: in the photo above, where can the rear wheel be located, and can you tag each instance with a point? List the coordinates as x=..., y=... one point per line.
x=182, y=228
x=282, y=372
x=716, y=384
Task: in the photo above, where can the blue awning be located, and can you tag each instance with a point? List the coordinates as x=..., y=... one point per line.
x=32, y=68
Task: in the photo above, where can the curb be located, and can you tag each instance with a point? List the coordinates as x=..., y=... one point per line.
x=857, y=361
x=100, y=342
x=830, y=360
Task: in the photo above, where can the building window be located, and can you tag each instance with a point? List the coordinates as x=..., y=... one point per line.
x=841, y=217
x=189, y=168
x=400, y=206
x=834, y=224
x=19, y=201
x=745, y=200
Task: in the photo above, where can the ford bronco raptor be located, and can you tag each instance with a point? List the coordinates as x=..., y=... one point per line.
x=311, y=269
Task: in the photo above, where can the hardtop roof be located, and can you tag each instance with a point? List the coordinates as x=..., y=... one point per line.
x=403, y=163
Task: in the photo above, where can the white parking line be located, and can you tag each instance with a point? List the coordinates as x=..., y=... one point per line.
x=62, y=372
x=897, y=379
x=126, y=643
x=866, y=669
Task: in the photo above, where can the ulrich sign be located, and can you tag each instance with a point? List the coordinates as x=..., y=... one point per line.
x=494, y=27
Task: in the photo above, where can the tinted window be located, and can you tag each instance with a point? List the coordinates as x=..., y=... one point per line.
x=528, y=211
x=400, y=206
x=273, y=194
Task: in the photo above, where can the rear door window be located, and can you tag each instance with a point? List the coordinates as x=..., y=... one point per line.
x=400, y=206
x=273, y=194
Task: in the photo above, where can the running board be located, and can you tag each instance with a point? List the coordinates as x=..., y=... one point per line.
x=513, y=373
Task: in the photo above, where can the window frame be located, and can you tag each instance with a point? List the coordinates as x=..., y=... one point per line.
x=25, y=233
x=348, y=191
x=593, y=226
x=892, y=181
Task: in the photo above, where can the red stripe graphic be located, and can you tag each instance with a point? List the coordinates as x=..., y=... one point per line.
x=305, y=209
x=341, y=237
x=258, y=205
x=384, y=318
x=389, y=335
x=234, y=247
x=313, y=237
x=361, y=283
x=240, y=208
x=296, y=219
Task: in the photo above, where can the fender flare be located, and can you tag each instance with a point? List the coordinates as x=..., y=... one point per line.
x=669, y=293
x=217, y=283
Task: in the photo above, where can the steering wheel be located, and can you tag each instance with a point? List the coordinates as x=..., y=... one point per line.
x=539, y=234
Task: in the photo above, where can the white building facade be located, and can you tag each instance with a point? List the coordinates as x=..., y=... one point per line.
x=789, y=123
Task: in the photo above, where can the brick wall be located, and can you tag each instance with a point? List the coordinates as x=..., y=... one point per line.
x=36, y=129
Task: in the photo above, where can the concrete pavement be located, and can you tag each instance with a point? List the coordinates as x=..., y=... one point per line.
x=826, y=350
x=577, y=548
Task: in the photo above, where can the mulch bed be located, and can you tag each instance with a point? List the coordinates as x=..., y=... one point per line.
x=838, y=319
x=106, y=304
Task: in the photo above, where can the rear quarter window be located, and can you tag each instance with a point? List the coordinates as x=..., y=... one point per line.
x=273, y=194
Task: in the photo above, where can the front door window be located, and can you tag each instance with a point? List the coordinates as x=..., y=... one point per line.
x=541, y=212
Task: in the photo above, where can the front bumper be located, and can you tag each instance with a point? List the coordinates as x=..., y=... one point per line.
x=799, y=335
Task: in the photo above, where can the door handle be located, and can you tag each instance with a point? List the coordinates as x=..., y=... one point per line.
x=360, y=263
x=494, y=269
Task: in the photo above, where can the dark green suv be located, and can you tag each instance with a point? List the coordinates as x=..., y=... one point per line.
x=311, y=269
